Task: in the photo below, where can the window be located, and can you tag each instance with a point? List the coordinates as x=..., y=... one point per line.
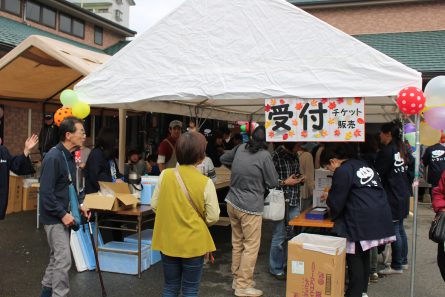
x=98, y=35
x=41, y=14
x=102, y=10
x=12, y=6
x=72, y=26
x=118, y=15
x=119, y=2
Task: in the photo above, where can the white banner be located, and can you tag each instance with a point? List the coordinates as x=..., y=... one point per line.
x=320, y=120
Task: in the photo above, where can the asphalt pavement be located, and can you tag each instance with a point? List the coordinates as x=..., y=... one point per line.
x=24, y=256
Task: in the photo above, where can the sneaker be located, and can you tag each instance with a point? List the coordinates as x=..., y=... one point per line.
x=364, y=295
x=280, y=276
x=46, y=292
x=250, y=292
x=234, y=284
x=373, y=278
x=405, y=267
x=389, y=270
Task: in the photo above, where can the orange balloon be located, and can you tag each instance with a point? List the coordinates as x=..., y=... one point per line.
x=61, y=114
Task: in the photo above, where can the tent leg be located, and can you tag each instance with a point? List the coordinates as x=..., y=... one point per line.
x=122, y=137
x=416, y=198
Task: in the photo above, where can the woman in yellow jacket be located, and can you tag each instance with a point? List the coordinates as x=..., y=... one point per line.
x=180, y=232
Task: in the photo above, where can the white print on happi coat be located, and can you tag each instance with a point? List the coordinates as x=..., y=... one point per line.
x=3, y=161
x=437, y=154
x=398, y=163
x=366, y=176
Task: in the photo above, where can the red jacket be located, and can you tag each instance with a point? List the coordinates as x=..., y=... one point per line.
x=439, y=194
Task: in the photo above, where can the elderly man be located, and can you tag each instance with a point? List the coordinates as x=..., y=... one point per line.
x=58, y=172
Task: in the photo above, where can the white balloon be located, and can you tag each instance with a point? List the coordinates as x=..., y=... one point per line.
x=435, y=101
x=435, y=91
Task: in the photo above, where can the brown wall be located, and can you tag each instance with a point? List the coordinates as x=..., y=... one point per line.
x=388, y=18
x=16, y=128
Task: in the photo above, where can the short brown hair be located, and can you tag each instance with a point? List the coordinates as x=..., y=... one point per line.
x=190, y=148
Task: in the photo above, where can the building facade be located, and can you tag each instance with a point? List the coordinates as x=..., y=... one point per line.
x=410, y=31
x=117, y=11
x=60, y=20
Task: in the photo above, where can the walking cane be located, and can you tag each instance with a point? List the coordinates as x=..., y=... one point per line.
x=104, y=294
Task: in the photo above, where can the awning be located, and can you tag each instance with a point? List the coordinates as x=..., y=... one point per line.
x=39, y=68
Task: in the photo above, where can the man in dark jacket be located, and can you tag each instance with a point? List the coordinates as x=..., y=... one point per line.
x=49, y=134
x=19, y=165
x=54, y=206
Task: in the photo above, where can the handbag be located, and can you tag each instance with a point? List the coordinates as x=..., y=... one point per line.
x=274, y=205
x=209, y=255
x=437, y=229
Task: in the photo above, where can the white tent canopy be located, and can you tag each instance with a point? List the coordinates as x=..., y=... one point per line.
x=227, y=56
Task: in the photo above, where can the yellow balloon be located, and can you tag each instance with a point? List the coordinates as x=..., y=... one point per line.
x=428, y=135
x=81, y=110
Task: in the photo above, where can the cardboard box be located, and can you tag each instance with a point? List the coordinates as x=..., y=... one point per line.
x=112, y=196
x=30, y=198
x=316, y=266
x=15, y=194
x=323, y=181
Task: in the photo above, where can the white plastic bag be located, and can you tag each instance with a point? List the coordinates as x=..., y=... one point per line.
x=274, y=206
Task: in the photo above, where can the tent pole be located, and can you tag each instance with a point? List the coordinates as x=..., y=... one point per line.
x=416, y=197
x=122, y=137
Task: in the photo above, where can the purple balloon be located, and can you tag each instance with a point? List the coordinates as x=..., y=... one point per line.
x=435, y=117
x=409, y=128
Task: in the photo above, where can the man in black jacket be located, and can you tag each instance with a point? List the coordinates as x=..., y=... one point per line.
x=19, y=165
x=49, y=134
x=54, y=205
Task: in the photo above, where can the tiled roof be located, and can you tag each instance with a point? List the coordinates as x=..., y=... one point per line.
x=13, y=33
x=423, y=51
x=117, y=47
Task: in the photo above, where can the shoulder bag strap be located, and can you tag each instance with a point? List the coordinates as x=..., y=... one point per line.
x=209, y=255
x=67, y=167
x=171, y=145
x=184, y=189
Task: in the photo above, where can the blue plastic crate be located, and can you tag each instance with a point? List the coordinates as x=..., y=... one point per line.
x=146, y=237
x=123, y=263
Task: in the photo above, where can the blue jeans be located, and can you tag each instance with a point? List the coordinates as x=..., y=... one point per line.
x=399, y=247
x=181, y=271
x=278, y=245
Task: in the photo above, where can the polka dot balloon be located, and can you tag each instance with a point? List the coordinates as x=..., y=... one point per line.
x=411, y=100
x=61, y=114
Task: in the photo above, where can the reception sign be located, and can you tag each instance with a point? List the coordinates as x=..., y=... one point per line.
x=328, y=120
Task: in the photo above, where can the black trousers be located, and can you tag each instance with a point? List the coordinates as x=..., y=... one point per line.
x=441, y=260
x=358, y=272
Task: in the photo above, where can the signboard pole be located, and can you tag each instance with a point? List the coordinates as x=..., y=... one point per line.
x=416, y=198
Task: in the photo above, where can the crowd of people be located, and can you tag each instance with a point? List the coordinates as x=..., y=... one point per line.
x=368, y=200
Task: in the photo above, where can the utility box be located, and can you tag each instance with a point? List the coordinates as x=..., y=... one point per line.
x=316, y=266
